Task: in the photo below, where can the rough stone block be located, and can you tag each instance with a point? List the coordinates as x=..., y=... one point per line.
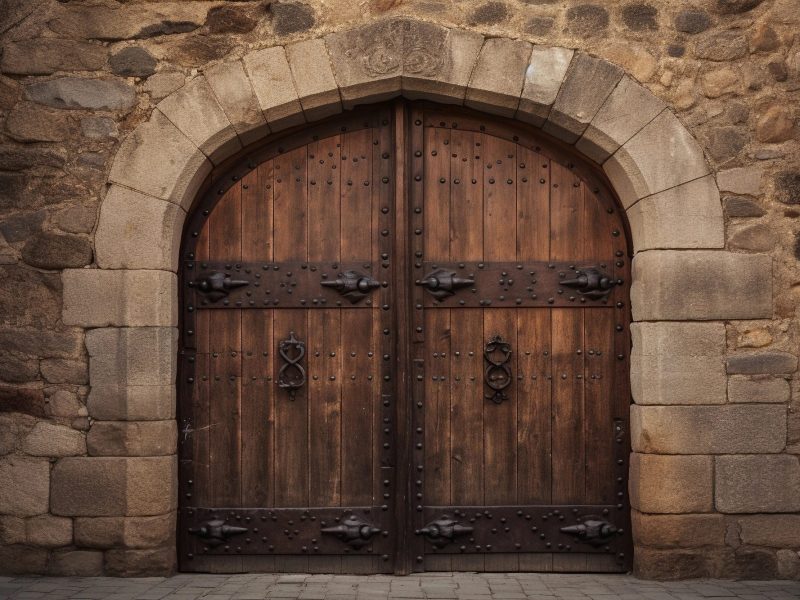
x=660, y=156
x=44, y=56
x=686, y=216
x=19, y=559
x=100, y=486
x=671, y=484
x=762, y=390
x=112, y=402
x=720, y=429
x=195, y=111
x=629, y=108
x=120, y=438
x=740, y=180
x=12, y=530
x=574, y=109
x=368, y=61
x=774, y=531
x=125, y=532
x=64, y=370
x=701, y=285
x=313, y=79
x=497, y=90
x=49, y=439
x=235, y=94
x=678, y=363
x=675, y=564
x=137, y=231
x=762, y=362
x=81, y=93
x=76, y=563
x=439, y=71
x=140, y=563
x=99, y=298
x=678, y=531
x=160, y=161
x=24, y=486
x=272, y=82
x=543, y=79
x=48, y=531
x=132, y=356
x=757, y=483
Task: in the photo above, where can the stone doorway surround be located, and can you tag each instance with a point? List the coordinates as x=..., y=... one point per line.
x=693, y=454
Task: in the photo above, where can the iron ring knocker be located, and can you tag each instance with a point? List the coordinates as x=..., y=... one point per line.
x=497, y=375
x=292, y=375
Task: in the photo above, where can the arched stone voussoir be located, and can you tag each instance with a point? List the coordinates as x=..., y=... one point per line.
x=235, y=95
x=137, y=231
x=157, y=159
x=195, y=111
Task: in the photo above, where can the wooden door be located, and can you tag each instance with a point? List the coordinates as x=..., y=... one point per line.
x=404, y=346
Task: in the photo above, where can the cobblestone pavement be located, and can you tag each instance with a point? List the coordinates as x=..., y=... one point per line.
x=461, y=586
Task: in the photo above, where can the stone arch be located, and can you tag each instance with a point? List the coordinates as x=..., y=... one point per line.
x=681, y=269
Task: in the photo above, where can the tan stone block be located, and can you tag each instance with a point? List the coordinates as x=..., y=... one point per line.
x=121, y=438
x=761, y=390
x=574, y=109
x=678, y=531
x=160, y=161
x=630, y=107
x=132, y=356
x=112, y=402
x=235, y=94
x=126, y=532
x=686, y=216
x=195, y=111
x=720, y=429
x=774, y=531
x=100, y=297
x=701, y=285
x=439, y=71
x=272, y=82
x=50, y=439
x=12, y=530
x=24, y=486
x=757, y=483
x=676, y=564
x=543, y=79
x=137, y=231
x=497, y=90
x=157, y=562
x=48, y=531
x=741, y=180
x=788, y=564
x=76, y=563
x=313, y=79
x=105, y=486
x=678, y=363
x=368, y=61
x=661, y=155
x=671, y=484
x=19, y=559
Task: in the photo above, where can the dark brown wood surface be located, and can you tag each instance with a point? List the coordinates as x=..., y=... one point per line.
x=395, y=420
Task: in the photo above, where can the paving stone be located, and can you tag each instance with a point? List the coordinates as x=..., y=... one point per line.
x=496, y=90
x=756, y=483
x=235, y=94
x=194, y=110
x=722, y=429
x=573, y=109
x=543, y=78
x=274, y=87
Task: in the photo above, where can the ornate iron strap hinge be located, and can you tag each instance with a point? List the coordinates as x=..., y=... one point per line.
x=292, y=375
x=442, y=531
x=497, y=375
x=217, y=285
x=443, y=283
x=353, y=285
x=216, y=532
x=353, y=531
x=593, y=530
x=591, y=282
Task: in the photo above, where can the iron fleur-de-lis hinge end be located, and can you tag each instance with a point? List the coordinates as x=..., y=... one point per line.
x=353, y=285
x=353, y=531
x=591, y=283
x=217, y=285
x=442, y=283
x=442, y=531
x=593, y=530
x=216, y=532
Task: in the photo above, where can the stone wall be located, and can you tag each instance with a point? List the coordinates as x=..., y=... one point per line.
x=715, y=476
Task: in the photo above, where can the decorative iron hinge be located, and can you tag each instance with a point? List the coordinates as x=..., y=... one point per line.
x=498, y=373
x=354, y=531
x=215, y=532
x=217, y=285
x=593, y=530
x=442, y=283
x=442, y=531
x=353, y=285
x=591, y=283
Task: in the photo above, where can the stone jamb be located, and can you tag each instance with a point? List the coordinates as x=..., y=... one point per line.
x=651, y=159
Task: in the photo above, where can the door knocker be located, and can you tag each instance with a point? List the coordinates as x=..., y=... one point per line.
x=292, y=375
x=497, y=375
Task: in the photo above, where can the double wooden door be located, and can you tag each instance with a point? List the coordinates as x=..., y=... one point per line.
x=405, y=347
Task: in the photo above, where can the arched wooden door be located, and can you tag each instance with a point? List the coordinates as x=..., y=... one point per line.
x=405, y=347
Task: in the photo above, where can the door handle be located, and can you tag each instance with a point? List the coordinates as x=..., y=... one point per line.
x=291, y=375
x=497, y=375
x=442, y=283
